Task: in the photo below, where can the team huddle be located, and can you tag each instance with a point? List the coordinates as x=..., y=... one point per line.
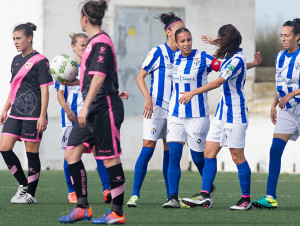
x=176, y=108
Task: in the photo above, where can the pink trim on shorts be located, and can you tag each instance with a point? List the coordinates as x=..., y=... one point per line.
x=23, y=118
x=88, y=148
x=178, y=21
x=11, y=134
x=108, y=157
x=31, y=140
x=117, y=191
x=246, y=196
x=97, y=73
x=47, y=84
x=33, y=177
x=115, y=134
x=13, y=170
x=205, y=191
x=17, y=80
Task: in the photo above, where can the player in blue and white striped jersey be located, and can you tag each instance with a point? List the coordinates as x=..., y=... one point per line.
x=187, y=123
x=287, y=124
x=231, y=120
x=70, y=98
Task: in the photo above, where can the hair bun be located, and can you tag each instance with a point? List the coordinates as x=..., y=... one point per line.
x=297, y=21
x=102, y=4
x=33, y=27
x=165, y=18
x=72, y=35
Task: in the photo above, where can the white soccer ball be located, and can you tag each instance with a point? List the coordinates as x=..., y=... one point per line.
x=64, y=68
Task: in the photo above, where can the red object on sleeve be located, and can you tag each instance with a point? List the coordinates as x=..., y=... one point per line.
x=215, y=65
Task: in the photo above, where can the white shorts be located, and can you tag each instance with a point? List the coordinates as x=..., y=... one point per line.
x=227, y=134
x=288, y=122
x=190, y=130
x=156, y=127
x=65, y=136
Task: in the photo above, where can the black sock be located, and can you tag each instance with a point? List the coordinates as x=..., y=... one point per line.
x=34, y=169
x=205, y=194
x=174, y=196
x=14, y=166
x=78, y=174
x=117, y=185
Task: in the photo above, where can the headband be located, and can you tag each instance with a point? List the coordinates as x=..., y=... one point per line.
x=88, y=15
x=178, y=21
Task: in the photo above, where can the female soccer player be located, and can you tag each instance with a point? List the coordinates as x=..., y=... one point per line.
x=187, y=123
x=102, y=115
x=158, y=63
x=288, y=99
x=231, y=119
x=28, y=101
x=70, y=98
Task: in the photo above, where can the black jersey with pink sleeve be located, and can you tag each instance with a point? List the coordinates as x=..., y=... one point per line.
x=99, y=58
x=29, y=74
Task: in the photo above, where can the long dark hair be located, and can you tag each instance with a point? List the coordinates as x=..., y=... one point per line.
x=94, y=11
x=229, y=41
x=295, y=24
x=167, y=19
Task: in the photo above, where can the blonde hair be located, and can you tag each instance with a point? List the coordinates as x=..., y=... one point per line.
x=74, y=37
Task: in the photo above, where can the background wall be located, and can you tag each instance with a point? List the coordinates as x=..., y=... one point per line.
x=56, y=19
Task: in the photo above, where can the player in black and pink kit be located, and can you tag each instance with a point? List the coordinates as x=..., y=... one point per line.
x=28, y=101
x=99, y=120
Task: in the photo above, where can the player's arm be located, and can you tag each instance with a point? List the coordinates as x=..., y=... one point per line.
x=76, y=82
x=61, y=99
x=209, y=86
x=148, y=106
x=5, y=110
x=273, y=113
x=257, y=61
x=287, y=97
x=96, y=84
x=42, y=122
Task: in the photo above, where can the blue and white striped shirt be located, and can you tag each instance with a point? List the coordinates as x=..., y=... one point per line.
x=159, y=63
x=190, y=73
x=232, y=105
x=287, y=75
x=74, y=100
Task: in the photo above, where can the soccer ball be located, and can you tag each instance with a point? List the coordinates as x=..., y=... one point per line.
x=64, y=68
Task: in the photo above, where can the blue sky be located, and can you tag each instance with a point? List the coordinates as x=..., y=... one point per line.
x=275, y=12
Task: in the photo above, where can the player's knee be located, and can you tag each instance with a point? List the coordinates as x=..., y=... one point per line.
x=4, y=147
x=149, y=143
x=237, y=158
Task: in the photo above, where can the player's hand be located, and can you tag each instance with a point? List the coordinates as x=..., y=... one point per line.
x=148, y=108
x=187, y=96
x=76, y=82
x=82, y=116
x=273, y=115
x=257, y=59
x=207, y=39
x=123, y=95
x=284, y=100
x=3, y=118
x=71, y=115
x=41, y=124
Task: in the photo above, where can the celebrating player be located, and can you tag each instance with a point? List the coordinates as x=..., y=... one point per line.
x=101, y=115
x=288, y=99
x=28, y=101
x=70, y=98
x=158, y=63
x=231, y=119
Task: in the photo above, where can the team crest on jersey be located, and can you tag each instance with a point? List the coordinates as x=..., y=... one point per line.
x=102, y=50
x=166, y=57
x=88, y=48
x=28, y=65
x=297, y=66
x=153, y=131
x=100, y=59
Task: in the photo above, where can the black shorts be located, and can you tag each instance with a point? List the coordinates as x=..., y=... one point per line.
x=102, y=130
x=23, y=129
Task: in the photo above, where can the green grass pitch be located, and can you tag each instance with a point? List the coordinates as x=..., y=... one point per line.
x=52, y=201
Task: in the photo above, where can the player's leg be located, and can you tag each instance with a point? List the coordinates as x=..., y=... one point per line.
x=8, y=140
x=244, y=173
x=64, y=141
x=104, y=177
x=166, y=166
